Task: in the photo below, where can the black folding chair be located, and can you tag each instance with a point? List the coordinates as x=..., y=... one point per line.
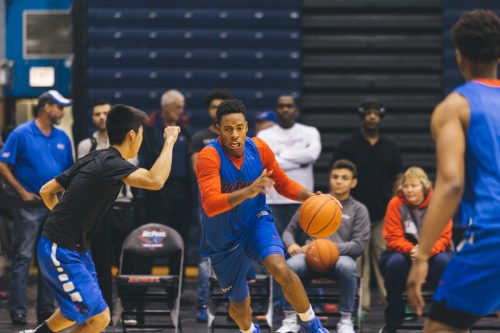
x=151, y=299
x=325, y=290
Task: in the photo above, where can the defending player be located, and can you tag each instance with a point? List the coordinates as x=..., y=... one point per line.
x=466, y=127
x=234, y=173
x=90, y=188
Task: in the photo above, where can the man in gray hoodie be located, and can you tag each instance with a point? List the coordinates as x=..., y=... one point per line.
x=351, y=239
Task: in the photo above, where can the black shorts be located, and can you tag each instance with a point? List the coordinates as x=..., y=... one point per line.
x=460, y=320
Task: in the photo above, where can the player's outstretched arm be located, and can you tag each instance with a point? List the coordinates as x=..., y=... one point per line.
x=155, y=178
x=49, y=191
x=449, y=125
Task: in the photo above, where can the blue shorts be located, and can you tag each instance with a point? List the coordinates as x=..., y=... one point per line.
x=72, y=276
x=234, y=267
x=470, y=282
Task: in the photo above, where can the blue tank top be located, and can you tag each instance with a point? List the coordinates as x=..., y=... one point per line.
x=481, y=198
x=222, y=232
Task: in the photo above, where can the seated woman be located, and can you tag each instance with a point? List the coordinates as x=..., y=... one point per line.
x=402, y=226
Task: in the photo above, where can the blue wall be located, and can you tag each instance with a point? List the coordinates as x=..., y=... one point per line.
x=14, y=50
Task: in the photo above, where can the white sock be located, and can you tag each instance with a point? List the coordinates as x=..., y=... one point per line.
x=250, y=330
x=308, y=315
x=345, y=316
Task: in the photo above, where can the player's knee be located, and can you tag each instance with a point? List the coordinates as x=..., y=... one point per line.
x=101, y=320
x=240, y=309
x=277, y=266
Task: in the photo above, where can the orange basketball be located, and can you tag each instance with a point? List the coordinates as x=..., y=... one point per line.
x=322, y=255
x=320, y=216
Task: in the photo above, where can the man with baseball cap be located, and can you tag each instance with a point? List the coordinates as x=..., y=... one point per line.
x=379, y=166
x=34, y=153
x=265, y=119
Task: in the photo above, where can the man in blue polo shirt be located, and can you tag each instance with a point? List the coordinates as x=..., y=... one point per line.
x=34, y=153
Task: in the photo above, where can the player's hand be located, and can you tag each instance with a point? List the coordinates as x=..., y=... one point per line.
x=28, y=196
x=171, y=133
x=294, y=249
x=261, y=184
x=413, y=253
x=338, y=202
x=416, y=278
x=304, y=248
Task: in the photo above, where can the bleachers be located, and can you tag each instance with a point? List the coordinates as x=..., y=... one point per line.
x=186, y=57
x=185, y=79
x=134, y=51
x=192, y=18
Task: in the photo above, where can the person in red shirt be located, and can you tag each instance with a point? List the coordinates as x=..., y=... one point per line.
x=402, y=225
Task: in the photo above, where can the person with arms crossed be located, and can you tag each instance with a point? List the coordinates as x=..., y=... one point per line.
x=296, y=147
x=234, y=174
x=90, y=188
x=466, y=129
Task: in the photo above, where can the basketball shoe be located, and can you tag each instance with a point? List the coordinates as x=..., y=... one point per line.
x=314, y=326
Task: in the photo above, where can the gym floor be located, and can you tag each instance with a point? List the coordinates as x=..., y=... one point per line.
x=372, y=323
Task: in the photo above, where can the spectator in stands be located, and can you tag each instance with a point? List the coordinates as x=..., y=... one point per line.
x=99, y=139
x=34, y=153
x=119, y=221
x=296, y=147
x=264, y=119
x=173, y=204
x=403, y=222
x=351, y=239
x=200, y=139
x=379, y=169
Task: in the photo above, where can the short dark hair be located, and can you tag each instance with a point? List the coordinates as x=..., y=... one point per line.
x=121, y=119
x=477, y=35
x=346, y=164
x=100, y=102
x=217, y=94
x=229, y=106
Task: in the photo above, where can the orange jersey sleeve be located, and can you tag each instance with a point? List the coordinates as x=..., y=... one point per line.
x=283, y=185
x=213, y=200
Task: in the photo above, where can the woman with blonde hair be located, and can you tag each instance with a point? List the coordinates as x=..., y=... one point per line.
x=402, y=225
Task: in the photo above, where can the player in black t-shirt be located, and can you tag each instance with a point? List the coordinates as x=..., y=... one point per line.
x=90, y=188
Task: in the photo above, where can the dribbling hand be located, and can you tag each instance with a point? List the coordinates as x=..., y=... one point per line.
x=171, y=133
x=416, y=278
x=261, y=184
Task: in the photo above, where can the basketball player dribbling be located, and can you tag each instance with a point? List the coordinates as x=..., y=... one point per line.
x=90, y=188
x=466, y=128
x=234, y=173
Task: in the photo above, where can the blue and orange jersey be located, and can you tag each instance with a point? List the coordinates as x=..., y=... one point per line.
x=219, y=174
x=482, y=180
